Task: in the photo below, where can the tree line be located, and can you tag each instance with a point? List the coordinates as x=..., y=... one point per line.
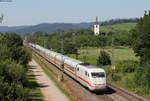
x=14, y=58
x=141, y=46
x=75, y=39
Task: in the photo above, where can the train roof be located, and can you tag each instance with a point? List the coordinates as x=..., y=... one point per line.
x=73, y=60
x=91, y=67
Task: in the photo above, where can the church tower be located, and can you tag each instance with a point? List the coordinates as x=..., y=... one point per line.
x=96, y=27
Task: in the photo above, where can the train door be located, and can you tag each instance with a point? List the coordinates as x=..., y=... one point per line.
x=77, y=73
x=80, y=75
x=85, y=76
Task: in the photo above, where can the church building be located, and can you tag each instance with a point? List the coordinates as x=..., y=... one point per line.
x=96, y=27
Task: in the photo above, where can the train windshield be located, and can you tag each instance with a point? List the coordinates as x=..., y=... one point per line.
x=98, y=74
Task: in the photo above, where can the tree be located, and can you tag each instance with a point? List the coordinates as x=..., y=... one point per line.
x=101, y=41
x=12, y=48
x=14, y=57
x=143, y=74
x=11, y=39
x=12, y=72
x=4, y=52
x=12, y=81
x=70, y=47
x=141, y=46
x=140, y=38
x=103, y=59
x=121, y=38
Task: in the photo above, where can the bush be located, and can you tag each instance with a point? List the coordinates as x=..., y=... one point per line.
x=116, y=77
x=130, y=83
x=12, y=80
x=12, y=72
x=12, y=92
x=142, y=90
x=103, y=59
x=127, y=66
x=142, y=76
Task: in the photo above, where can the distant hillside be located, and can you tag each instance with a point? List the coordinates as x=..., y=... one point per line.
x=120, y=24
x=118, y=27
x=44, y=27
x=7, y=28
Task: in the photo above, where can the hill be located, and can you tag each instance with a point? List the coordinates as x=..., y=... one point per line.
x=106, y=26
x=118, y=27
x=7, y=28
x=44, y=27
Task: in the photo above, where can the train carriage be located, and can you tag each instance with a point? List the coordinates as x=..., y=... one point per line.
x=70, y=66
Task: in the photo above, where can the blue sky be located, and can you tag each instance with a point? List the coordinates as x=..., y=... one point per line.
x=31, y=12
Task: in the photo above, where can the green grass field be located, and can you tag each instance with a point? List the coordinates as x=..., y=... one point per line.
x=90, y=55
x=118, y=27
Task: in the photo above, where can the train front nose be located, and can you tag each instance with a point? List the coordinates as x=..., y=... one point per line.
x=99, y=81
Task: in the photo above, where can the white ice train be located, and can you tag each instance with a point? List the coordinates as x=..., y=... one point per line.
x=92, y=77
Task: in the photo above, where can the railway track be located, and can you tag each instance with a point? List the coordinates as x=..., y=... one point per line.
x=83, y=94
x=130, y=96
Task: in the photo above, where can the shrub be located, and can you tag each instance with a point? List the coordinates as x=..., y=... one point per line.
x=12, y=92
x=12, y=72
x=127, y=66
x=142, y=76
x=116, y=77
x=142, y=90
x=130, y=83
x=103, y=59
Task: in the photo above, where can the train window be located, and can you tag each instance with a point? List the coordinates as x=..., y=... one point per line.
x=84, y=64
x=86, y=73
x=98, y=74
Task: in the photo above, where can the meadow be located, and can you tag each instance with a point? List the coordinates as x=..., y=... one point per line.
x=118, y=27
x=90, y=54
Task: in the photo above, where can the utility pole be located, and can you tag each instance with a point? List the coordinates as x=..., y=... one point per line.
x=61, y=77
x=112, y=59
x=75, y=45
x=113, y=62
x=44, y=43
x=62, y=42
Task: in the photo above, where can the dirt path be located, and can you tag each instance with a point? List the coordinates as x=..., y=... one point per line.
x=47, y=87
